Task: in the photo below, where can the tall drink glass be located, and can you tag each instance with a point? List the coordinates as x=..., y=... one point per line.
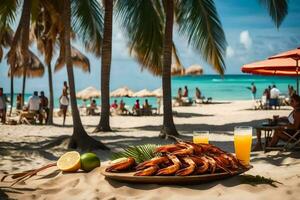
x=201, y=137
x=242, y=143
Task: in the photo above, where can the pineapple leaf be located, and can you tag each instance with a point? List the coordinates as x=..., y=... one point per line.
x=140, y=153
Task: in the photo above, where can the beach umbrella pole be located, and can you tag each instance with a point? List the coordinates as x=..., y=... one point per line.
x=298, y=85
x=297, y=76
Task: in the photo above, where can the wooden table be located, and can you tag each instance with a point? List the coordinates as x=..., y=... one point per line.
x=268, y=131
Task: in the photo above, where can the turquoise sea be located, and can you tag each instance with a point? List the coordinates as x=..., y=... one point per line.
x=230, y=87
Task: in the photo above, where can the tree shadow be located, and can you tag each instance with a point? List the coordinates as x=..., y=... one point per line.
x=228, y=182
x=3, y=194
x=257, y=110
x=191, y=127
x=278, y=159
x=188, y=115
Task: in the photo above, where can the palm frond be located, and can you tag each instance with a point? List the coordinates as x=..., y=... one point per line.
x=87, y=19
x=278, y=9
x=198, y=20
x=35, y=8
x=140, y=153
x=1, y=54
x=35, y=67
x=175, y=57
x=78, y=60
x=6, y=36
x=143, y=23
x=257, y=180
x=8, y=11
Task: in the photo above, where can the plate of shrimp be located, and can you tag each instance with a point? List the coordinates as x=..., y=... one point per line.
x=180, y=163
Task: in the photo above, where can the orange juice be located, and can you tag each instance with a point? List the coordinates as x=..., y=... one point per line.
x=197, y=139
x=242, y=146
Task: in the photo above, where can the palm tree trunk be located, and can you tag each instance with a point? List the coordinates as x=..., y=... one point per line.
x=105, y=68
x=80, y=138
x=51, y=98
x=11, y=90
x=25, y=42
x=168, y=127
x=23, y=85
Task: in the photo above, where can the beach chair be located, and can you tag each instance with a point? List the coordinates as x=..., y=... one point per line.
x=28, y=118
x=186, y=101
x=292, y=143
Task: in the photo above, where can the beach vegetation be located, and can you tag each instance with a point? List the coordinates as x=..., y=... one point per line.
x=106, y=51
x=140, y=153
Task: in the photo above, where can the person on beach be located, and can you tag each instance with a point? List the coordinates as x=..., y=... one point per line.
x=274, y=96
x=136, y=108
x=122, y=108
x=185, y=92
x=34, y=103
x=267, y=95
x=83, y=103
x=92, y=108
x=158, y=102
x=293, y=122
x=64, y=101
x=253, y=90
x=3, y=101
x=44, y=107
x=198, y=93
x=114, y=105
x=291, y=90
x=34, y=106
x=179, y=93
x=18, y=102
x=146, y=108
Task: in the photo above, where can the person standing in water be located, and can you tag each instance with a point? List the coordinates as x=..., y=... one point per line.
x=64, y=101
x=253, y=90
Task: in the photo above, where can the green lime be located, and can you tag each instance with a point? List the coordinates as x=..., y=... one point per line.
x=89, y=161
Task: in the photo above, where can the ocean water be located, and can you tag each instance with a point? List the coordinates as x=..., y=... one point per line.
x=230, y=87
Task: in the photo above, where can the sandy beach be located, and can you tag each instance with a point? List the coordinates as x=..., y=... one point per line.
x=24, y=147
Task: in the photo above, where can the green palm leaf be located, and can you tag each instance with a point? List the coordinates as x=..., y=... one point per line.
x=278, y=9
x=198, y=20
x=140, y=153
x=144, y=24
x=8, y=9
x=87, y=19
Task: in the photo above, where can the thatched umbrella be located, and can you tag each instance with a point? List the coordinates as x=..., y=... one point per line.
x=158, y=92
x=177, y=70
x=78, y=59
x=144, y=93
x=122, y=92
x=89, y=92
x=6, y=35
x=194, y=70
x=34, y=69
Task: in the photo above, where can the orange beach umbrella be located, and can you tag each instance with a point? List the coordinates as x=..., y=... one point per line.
x=283, y=64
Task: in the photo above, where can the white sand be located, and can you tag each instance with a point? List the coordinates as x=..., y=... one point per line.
x=24, y=147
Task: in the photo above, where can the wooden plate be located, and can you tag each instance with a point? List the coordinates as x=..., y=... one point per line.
x=175, y=180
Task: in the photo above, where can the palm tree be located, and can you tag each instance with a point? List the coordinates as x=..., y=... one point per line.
x=198, y=20
x=6, y=35
x=86, y=20
x=79, y=138
x=105, y=67
x=44, y=31
x=20, y=41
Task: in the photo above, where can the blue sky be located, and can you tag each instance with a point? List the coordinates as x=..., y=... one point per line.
x=250, y=33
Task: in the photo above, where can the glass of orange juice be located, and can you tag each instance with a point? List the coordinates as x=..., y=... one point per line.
x=242, y=143
x=201, y=137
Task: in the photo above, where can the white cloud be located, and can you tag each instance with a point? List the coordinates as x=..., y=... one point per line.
x=245, y=39
x=229, y=52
